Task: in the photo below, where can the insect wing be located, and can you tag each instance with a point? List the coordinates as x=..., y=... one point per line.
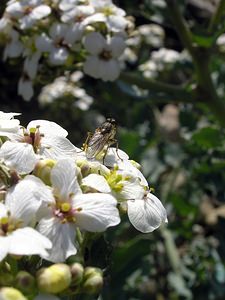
x=96, y=144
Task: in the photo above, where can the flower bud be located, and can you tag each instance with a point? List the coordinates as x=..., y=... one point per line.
x=77, y=272
x=9, y=293
x=25, y=281
x=93, y=280
x=54, y=279
x=43, y=170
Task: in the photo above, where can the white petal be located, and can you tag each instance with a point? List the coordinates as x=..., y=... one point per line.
x=116, y=23
x=31, y=65
x=4, y=249
x=40, y=12
x=91, y=66
x=48, y=128
x=146, y=214
x=25, y=89
x=62, y=237
x=67, y=4
x=58, y=56
x=27, y=241
x=64, y=179
x=27, y=21
x=13, y=49
x=26, y=197
x=117, y=46
x=98, y=211
x=43, y=43
x=15, y=10
x=132, y=189
x=19, y=156
x=56, y=147
x=109, y=70
x=96, y=182
x=58, y=31
x=3, y=210
x=94, y=43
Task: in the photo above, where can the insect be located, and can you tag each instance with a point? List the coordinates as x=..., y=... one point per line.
x=97, y=143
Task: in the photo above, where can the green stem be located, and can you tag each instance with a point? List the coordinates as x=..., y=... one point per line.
x=205, y=90
x=176, y=93
x=216, y=17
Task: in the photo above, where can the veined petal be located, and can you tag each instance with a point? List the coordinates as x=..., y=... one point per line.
x=62, y=237
x=28, y=241
x=19, y=156
x=48, y=128
x=26, y=197
x=146, y=214
x=64, y=179
x=96, y=212
x=56, y=147
x=96, y=182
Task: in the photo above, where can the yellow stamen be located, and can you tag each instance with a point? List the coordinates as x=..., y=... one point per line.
x=65, y=207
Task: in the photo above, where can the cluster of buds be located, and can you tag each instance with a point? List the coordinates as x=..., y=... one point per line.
x=52, y=282
x=54, y=192
x=90, y=33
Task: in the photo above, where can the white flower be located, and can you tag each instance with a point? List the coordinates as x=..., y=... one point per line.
x=110, y=14
x=70, y=208
x=77, y=14
x=28, y=12
x=103, y=61
x=147, y=213
x=56, y=43
x=46, y=297
x=41, y=139
x=8, y=125
x=21, y=205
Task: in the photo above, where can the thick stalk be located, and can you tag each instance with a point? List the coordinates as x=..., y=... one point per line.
x=206, y=92
x=174, y=93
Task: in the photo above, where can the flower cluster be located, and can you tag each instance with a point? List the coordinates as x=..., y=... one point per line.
x=64, y=32
x=50, y=190
x=66, y=86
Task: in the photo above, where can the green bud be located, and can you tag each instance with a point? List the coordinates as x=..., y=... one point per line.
x=25, y=282
x=43, y=170
x=93, y=280
x=77, y=272
x=54, y=279
x=9, y=293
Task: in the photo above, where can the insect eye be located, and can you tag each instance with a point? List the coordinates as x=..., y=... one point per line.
x=111, y=120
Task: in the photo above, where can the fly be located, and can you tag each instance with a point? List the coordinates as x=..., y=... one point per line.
x=97, y=143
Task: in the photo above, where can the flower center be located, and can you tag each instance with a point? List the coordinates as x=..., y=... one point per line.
x=8, y=225
x=105, y=55
x=107, y=11
x=27, y=10
x=114, y=180
x=65, y=212
x=33, y=137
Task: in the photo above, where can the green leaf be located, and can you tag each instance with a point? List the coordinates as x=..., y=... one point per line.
x=208, y=137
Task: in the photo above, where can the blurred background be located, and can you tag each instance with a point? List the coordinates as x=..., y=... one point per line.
x=178, y=142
